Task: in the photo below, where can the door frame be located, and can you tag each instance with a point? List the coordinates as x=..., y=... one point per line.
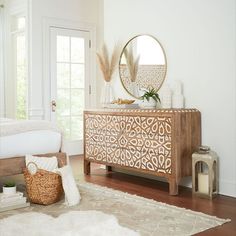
x=74, y=25
x=75, y=146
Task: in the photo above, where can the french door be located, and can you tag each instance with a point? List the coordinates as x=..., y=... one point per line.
x=69, y=84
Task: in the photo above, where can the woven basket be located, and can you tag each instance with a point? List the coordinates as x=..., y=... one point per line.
x=43, y=187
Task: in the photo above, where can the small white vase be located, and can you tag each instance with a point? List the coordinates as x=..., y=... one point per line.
x=107, y=94
x=9, y=190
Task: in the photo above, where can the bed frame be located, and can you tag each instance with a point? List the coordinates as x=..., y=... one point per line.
x=15, y=165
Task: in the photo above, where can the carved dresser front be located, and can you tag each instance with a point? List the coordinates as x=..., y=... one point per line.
x=157, y=142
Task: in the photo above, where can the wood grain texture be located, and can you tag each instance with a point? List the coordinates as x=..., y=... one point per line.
x=157, y=142
x=15, y=165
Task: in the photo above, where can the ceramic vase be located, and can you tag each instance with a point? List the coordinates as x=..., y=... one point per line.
x=151, y=104
x=9, y=190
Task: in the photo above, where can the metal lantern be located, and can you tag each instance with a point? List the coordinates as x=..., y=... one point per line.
x=205, y=173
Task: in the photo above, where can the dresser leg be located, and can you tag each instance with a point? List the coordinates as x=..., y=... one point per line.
x=86, y=167
x=173, y=187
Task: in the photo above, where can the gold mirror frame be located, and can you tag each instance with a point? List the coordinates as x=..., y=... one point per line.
x=121, y=73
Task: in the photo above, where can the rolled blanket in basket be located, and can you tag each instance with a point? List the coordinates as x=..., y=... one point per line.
x=72, y=195
x=44, y=163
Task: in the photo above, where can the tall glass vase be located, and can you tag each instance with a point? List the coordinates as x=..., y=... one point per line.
x=107, y=95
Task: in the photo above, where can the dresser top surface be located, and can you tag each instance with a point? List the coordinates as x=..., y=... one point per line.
x=144, y=111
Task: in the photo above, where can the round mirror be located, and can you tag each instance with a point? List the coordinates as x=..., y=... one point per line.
x=142, y=65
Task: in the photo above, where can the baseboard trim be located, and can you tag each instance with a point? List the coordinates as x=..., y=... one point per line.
x=227, y=188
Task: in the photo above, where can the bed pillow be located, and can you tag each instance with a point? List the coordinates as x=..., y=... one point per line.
x=45, y=163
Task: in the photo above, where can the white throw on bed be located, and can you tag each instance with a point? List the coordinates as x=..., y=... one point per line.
x=11, y=127
x=19, y=137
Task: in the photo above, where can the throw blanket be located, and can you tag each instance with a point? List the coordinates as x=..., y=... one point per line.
x=11, y=127
x=72, y=195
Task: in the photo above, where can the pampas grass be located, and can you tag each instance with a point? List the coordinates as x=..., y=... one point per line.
x=132, y=63
x=107, y=64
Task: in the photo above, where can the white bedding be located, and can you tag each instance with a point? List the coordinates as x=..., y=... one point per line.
x=18, y=138
x=11, y=127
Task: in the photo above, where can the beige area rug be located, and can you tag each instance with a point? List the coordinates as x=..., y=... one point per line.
x=148, y=217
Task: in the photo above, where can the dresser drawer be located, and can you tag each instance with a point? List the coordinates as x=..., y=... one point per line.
x=144, y=159
x=102, y=124
x=135, y=144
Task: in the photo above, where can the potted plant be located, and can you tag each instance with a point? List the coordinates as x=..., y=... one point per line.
x=150, y=98
x=9, y=188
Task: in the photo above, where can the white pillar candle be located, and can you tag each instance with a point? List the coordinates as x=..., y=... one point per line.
x=203, y=183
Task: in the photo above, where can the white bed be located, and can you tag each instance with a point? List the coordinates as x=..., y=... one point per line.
x=32, y=142
x=18, y=138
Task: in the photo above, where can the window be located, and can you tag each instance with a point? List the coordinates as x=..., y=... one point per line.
x=20, y=66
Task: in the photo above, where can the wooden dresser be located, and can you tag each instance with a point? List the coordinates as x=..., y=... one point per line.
x=157, y=142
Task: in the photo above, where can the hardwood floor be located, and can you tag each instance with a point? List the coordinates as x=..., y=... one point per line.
x=221, y=206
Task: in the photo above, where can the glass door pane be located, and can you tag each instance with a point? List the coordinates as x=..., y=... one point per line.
x=70, y=82
x=70, y=64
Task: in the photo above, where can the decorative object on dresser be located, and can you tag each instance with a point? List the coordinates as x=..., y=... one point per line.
x=166, y=96
x=205, y=173
x=107, y=65
x=177, y=98
x=123, y=103
x=158, y=142
x=150, y=99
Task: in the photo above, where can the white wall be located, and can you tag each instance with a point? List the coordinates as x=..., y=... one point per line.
x=83, y=11
x=199, y=40
x=2, y=62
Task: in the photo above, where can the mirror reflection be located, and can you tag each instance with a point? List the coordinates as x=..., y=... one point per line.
x=142, y=65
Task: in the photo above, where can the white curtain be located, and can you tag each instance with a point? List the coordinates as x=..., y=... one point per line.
x=2, y=67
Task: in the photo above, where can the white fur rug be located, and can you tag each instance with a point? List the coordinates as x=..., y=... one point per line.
x=73, y=223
